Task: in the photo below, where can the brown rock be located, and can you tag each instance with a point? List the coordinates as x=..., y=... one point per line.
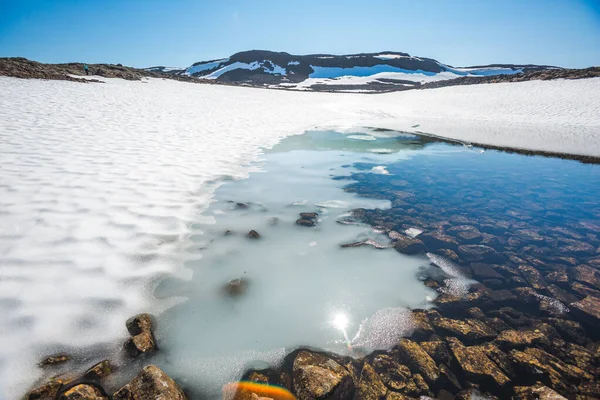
x=476, y=365
x=437, y=350
x=529, y=368
x=512, y=339
x=305, y=222
x=533, y=276
x=150, y=383
x=418, y=360
x=478, y=252
x=54, y=360
x=537, y=392
x=588, y=310
x=316, y=376
x=423, y=329
x=568, y=371
x=468, y=330
x=99, y=371
x=499, y=357
x=47, y=391
x=587, y=275
x=140, y=327
x=484, y=271
x=236, y=287
x=393, y=374
x=83, y=392
x=309, y=215
x=140, y=323
x=370, y=386
x=570, y=330
x=397, y=396
x=408, y=245
x=437, y=240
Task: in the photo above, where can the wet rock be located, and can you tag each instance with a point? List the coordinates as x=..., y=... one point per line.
x=253, y=234
x=393, y=374
x=561, y=294
x=536, y=392
x=567, y=371
x=142, y=340
x=305, y=222
x=466, y=234
x=512, y=339
x=437, y=240
x=437, y=350
x=532, y=370
x=455, y=304
x=511, y=316
x=397, y=396
x=579, y=249
x=558, y=277
x=448, y=379
x=449, y=254
x=502, y=296
x=370, y=386
x=99, y=371
x=528, y=235
x=590, y=389
x=587, y=275
x=588, y=310
x=309, y=215
x=423, y=329
x=470, y=331
x=478, y=252
x=474, y=394
x=236, y=287
x=422, y=386
x=83, y=392
x=533, y=276
x=367, y=242
x=408, y=245
x=583, y=291
x=316, y=376
x=47, y=391
x=54, y=360
x=570, y=330
x=418, y=360
x=500, y=358
x=476, y=365
x=484, y=271
x=150, y=383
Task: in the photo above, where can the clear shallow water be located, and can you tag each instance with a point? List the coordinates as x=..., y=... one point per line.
x=303, y=289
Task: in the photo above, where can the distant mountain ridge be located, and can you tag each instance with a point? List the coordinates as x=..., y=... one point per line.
x=362, y=72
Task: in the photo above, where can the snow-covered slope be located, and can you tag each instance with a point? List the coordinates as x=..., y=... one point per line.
x=100, y=182
x=355, y=72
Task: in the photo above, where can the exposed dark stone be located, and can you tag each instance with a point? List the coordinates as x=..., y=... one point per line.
x=99, y=371
x=142, y=340
x=408, y=245
x=512, y=339
x=418, y=360
x=448, y=379
x=83, y=392
x=309, y=215
x=587, y=275
x=449, y=254
x=253, y=234
x=366, y=242
x=54, y=360
x=370, y=386
x=316, y=376
x=423, y=329
x=477, y=252
x=150, y=383
x=484, y=271
x=536, y=392
x=437, y=240
x=393, y=374
x=588, y=310
x=470, y=331
x=499, y=357
x=477, y=366
x=437, y=350
x=569, y=330
x=48, y=391
x=533, y=276
x=305, y=222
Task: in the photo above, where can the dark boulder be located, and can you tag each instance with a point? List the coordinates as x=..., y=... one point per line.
x=408, y=245
x=150, y=383
x=83, y=392
x=316, y=376
x=142, y=340
x=253, y=234
x=478, y=252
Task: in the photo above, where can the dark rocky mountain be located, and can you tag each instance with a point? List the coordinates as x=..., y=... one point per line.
x=364, y=72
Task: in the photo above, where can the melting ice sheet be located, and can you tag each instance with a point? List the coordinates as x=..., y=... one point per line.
x=303, y=289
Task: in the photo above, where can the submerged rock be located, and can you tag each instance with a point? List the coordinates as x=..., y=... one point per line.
x=99, y=371
x=367, y=242
x=253, y=234
x=309, y=215
x=236, y=287
x=588, y=310
x=305, y=222
x=83, y=392
x=316, y=376
x=478, y=252
x=142, y=340
x=151, y=383
x=409, y=245
x=437, y=240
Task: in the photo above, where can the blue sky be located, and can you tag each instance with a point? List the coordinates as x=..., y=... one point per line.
x=179, y=32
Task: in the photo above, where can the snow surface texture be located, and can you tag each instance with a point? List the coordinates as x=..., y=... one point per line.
x=99, y=182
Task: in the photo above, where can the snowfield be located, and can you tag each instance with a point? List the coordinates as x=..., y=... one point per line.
x=99, y=182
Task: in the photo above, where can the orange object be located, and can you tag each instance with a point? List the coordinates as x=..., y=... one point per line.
x=245, y=390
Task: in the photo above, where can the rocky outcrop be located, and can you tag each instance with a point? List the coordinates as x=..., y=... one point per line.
x=142, y=338
x=418, y=360
x=512, y=339
x=370, y=386
x=470, y=331
x=316, y=376
x=151, y=383
x=408, y=245
x=83, y=392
